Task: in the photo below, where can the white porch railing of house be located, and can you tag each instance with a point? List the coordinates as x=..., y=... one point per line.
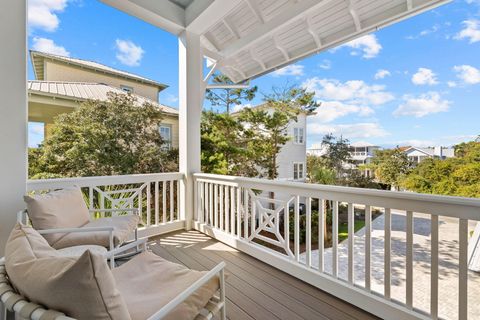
x=248, y=214
x=154, y=195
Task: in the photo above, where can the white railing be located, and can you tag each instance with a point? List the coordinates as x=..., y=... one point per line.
x=156, y=196
x=376, y=268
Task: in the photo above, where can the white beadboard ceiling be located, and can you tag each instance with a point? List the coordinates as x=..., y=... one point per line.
x=249, y=38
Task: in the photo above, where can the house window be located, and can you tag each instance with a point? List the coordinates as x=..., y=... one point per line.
x=298, y=135
x=127, y=89
x=298, y=169
x=166, y=134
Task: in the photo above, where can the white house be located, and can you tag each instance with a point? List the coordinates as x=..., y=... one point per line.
x=362, y=152
x=417, y=155
x=292, y=158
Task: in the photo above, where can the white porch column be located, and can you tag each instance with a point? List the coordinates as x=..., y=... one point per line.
x=13, y=113
x=191, y=94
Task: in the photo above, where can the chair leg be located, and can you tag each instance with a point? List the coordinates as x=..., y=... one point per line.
x=223, y=311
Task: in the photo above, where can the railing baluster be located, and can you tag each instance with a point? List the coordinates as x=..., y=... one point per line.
x=252, y=216
x=434, y=268
x=286, y=226
x=90, y=197
x=157, y=213
x=210, y=204
x=149, y=214
x=245, y=213
x=178, y=200
x=201, y=212
x=239, y=225
x=368, y=247
x=463, y=270
x=215, y=203
x=227, y=209
x=221, y=204
x=409, y=260
x=140, y=203
x=232, y=210
x=164, y=201
x=308, y=234
x=321, y=233
x=351, y=232
x=207, y=203
x=387, y=256
x=335, y=239
x=296, y=228
x=171, y=201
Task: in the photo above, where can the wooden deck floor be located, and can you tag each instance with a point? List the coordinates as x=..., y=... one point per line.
x=254, y=289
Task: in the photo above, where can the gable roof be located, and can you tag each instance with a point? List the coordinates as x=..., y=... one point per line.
x=82, y=91
x=38, y=58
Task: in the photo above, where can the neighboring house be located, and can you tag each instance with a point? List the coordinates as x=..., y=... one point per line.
x=417, y=155
x=292, y=158
x=61, y=84
x=362, y=152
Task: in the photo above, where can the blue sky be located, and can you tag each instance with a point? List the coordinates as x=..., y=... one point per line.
x=414, y=83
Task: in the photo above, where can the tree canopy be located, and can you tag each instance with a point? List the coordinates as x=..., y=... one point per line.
x=113, y=137
x=227, y=98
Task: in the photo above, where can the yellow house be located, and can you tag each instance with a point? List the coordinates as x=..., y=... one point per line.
x=63, y=83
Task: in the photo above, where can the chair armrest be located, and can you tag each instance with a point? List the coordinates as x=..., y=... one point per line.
x=132, y=210
x=219, y=269
x=131, y=245
x=71, y=230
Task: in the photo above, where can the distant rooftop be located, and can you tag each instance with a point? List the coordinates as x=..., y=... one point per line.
x=38, y=59
x=360, y=144
x=82, y=91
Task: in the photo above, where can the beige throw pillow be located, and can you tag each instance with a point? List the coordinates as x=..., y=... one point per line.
x=82, y=288
x=57, y=209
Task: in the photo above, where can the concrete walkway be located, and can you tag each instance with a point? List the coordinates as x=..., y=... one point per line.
x=448, y=269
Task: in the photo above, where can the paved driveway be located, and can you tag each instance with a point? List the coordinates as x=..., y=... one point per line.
x=448, y=257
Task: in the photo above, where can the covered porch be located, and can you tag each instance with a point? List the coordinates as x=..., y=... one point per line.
x=275, y=255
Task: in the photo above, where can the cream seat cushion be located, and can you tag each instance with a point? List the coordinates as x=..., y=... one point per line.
x=148, y=282
x=64, y=208
x=123, y=227
x=82, y=287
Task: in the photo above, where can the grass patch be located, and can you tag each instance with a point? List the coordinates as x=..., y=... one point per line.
x=343, y=229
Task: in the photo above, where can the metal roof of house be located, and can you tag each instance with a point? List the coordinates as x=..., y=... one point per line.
x=360, y=144
x=38, y=59
x=249, y=38
x=82, y=91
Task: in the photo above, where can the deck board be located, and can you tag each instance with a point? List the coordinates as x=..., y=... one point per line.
x=254, y=290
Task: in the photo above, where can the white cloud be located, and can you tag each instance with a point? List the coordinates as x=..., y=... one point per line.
x=331, y=110
x=471, y=31
x=349, y=131
x=424, y=76
x=468, y=74
x=451, y=84
x=368, y=45
x=326, y=64
x=354, y=91
x=416, y=143
x=49, y=46
x=425, y=32
x=381, y=74
x=291, y=70
x=240, y=107
x=42, y=14
x=129, y=53
x=425, y=104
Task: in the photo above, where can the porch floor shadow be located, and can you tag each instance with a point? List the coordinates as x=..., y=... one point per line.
x=254, y=290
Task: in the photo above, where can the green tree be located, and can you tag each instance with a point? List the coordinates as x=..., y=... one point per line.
x=391, y=166
x=227, y=98
x=337, y=153
x=224, y=146
x=267, y=125
x=318, y=171
x=114, y=137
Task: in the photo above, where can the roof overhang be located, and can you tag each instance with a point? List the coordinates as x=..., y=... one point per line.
x=249, y=38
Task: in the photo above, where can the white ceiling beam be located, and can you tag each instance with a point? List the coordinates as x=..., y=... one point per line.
x=212, y=41
x=266, y=30
x=354, y=14
x=284, y=52
x=231, y=28
x=228, y=86
x=410, y=4
x=208, y=14
x=255, y=57
x=253, y=5
x=212, y=55
x=314, y=35
x=163, y=14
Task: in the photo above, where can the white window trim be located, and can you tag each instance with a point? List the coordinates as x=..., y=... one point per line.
x=302, y=171
x=295, y=140
x=127, y=89
x=167, y=143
